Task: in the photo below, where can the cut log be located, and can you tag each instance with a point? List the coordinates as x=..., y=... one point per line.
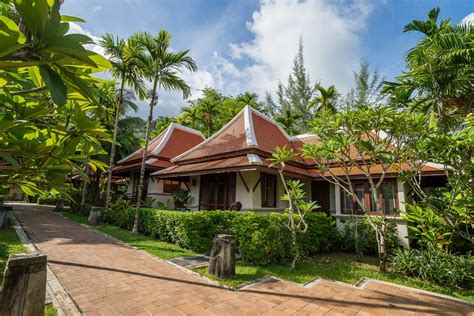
x=94, y=216
x=222, y=258
x=5, y=217
x=24, y=285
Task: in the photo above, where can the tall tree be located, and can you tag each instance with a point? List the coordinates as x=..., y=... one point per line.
x=298, y=92
x=368, y=87
x=440, y=71
x=124, y=68
x=369, y=142
x=163, y=68
x=294, y=97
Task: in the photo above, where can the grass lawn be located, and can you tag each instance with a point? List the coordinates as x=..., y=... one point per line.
x=9, y=245
x=153, y=246
x=336, y=266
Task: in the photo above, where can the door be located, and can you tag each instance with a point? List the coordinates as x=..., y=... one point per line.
x=217, y=191
x=320, y=194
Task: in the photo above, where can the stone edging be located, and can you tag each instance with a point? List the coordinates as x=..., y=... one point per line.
x=361, y=284
x=61, y=300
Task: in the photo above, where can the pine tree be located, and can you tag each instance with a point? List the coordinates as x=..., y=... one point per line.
x=297, y=93
x=368, y=86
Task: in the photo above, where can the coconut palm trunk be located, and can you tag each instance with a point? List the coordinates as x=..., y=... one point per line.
x=154, y=98
x=113, y=148
x=163, y=68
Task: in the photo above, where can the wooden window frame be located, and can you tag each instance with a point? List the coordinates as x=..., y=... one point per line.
x=368, y=198
x=263, y=184
x=168, y=189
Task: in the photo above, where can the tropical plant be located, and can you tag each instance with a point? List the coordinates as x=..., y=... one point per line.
x=295, y=195
x=124, y=68
x=163, y=68
x=440, y=70
x=46, y=97
x=369, y=142
x=326, y=99
x=181, y=197
x=288, y=120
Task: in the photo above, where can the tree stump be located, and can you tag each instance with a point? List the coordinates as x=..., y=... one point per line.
x=222, y=258
x=94, y=216
x=5, y=217
x=23, y=290
x=60, y=205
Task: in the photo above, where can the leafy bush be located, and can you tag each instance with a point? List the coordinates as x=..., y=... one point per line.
x=366, y=236
x=436, y=267
x=264, y=239
x=191, y=230
x=121, y=214
x=261, y=238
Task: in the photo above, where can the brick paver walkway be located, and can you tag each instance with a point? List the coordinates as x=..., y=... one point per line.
x=106, y=278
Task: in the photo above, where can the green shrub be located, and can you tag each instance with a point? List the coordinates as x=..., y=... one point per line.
x=436, y=267
x=191, y=230
x=264, y=239
x=121, y=214
x=261, y=238
x=366, y=236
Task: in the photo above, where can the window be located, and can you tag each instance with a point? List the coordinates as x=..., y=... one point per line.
x=169, y=186
x=388, y=199
x=268, y=186
x=349, y=204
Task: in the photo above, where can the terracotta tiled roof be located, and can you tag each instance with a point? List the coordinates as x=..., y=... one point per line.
x=246, y=141
x=354, y=171
x=228, y=164
x=175, y=139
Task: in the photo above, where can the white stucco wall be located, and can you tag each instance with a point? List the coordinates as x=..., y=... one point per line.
x=194, y=187
x=155, y=191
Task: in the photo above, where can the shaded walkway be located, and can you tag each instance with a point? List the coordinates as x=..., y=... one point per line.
x=107, y=278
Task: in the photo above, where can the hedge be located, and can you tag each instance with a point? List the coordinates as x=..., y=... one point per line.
x=261, y=238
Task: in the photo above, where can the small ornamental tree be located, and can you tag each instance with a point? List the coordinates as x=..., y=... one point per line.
x=296, y=197
x=369, y=142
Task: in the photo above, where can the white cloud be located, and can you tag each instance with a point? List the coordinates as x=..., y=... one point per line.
x=331, y=44
x=75, y=28
x=468, y=19
x=96, y=9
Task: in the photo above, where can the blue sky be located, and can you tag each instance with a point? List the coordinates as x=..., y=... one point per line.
x=249, y=45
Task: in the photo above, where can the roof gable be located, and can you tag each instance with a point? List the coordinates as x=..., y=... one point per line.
x=174, y=140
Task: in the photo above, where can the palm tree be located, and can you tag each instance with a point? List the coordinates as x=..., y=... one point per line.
x=208, y=110
x=287, y=119
x=439, y=75
x=163, y=68
x=125, y=69
x=325, y=99
x=189, y=116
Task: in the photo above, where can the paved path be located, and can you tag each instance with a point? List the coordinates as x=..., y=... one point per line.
x=107, y=278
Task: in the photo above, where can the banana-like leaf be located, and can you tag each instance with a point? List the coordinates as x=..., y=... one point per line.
x=55, y=84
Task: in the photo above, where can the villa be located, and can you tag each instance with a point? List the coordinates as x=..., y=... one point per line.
x=231, y=166
x=174, y=140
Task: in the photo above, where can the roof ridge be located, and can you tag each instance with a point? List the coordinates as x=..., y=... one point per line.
x=212, y=137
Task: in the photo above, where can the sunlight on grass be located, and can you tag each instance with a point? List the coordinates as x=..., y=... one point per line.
x=9, y=244
x=153, y=246
x=338, y=267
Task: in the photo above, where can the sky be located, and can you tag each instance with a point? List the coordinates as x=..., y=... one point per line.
x=249, y=45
